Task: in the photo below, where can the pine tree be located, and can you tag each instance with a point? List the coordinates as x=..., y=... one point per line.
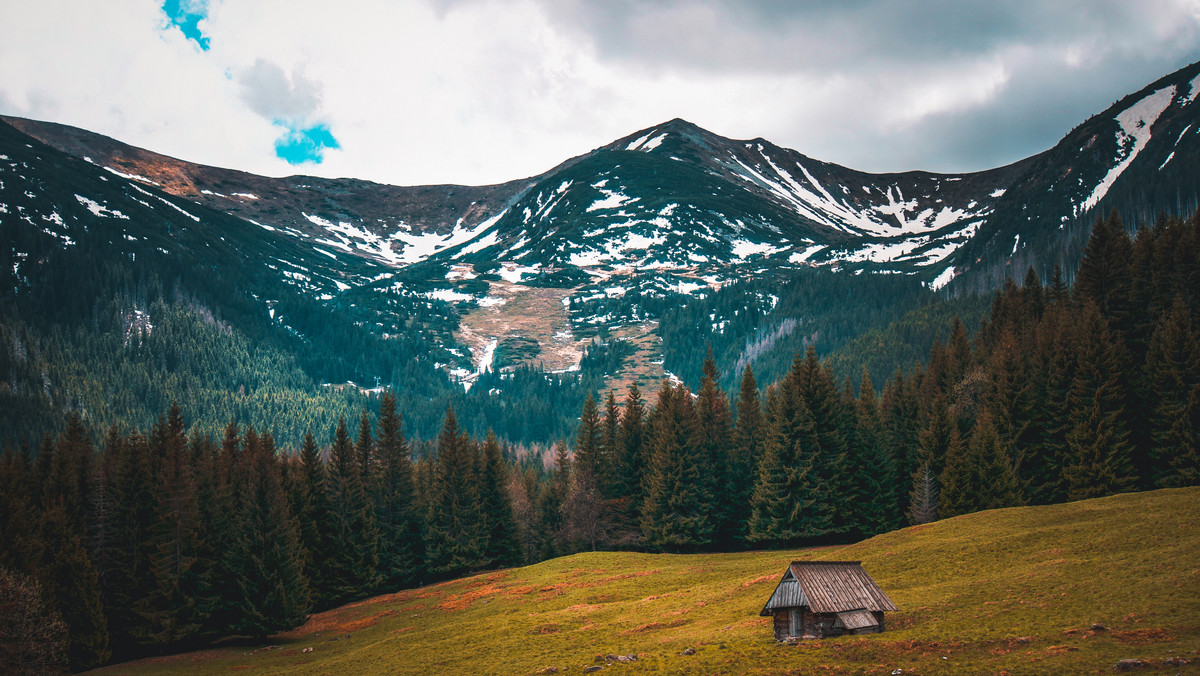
x=267, y=559
x=72, y=589
x=1098, y=459
x=874, y=473
x=501, y=548
x=611, y=450
x=311, y=510
x=588, y=447
x=173, y=610
x=748, y=440
x=400, y=544
x=632, y=465
x=20, y=548
x=454, y=542
x=981, y=476
x=550, y=501
x=782, y=499
x=1173, y=373
x=352, y=567
x=675, y=515
x=714, y=439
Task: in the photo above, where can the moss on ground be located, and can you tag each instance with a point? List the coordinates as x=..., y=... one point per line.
x=1012, y=591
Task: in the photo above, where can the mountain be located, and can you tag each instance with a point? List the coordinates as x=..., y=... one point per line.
x=642, y=251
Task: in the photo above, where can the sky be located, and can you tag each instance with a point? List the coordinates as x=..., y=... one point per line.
x=414, y=92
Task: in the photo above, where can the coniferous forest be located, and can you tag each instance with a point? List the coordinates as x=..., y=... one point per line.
x=128, y=542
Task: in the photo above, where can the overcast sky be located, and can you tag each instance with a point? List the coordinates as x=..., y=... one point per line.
x=483, y=91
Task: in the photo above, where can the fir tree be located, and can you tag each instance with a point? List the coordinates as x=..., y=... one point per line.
x=714, y=438
x=748, y=440
x=267, y=559
x=1173, y=371
x=311, y=510
x=501, y=548
x=73, y=590
x=782, y=498
x=1098, y=459
x=874, y=474
x=455, y=541
x=352, y=567
x=400, y=545
x=675, y=515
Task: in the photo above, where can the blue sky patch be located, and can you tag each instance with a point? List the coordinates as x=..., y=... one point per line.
x=304, y=144
x=187, y=15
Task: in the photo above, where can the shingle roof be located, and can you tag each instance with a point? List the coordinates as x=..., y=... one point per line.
x=857, y=619
x=828, y=587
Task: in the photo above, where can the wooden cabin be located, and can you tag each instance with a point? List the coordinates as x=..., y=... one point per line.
x=816, y=599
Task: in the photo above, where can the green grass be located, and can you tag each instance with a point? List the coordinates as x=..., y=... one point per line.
x=1007, y=591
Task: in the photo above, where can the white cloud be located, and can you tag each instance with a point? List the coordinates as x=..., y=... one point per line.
x=476, y=91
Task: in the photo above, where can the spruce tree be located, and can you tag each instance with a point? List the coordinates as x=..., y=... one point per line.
x=400, y=544
x=749, y=437
x=782, y=498
x=174, y=612
x=267, y=559
x=455, y=544
x=1173, y=372
x=714, y=439
x=352, y=566
x=632, y=466
x=873, y=471
x=71, y=587
x=675, y=515
x=1098, y=459
x=501, y=548
x=311, y=510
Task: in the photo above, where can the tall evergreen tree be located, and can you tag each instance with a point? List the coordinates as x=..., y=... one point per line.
x=455, y=544
x=501, y=548
x=352, y=567
x=71, y=587
x=872, y=467
x=675, y=515
x=749, y=438
x=1173, y=372
x=267, y=559
x=311, y=510
x=782, y=500
x=400, y=545
x=714, y=439
x=1098, y=459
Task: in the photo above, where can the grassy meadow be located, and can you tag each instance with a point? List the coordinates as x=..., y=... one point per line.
x=1013, y=591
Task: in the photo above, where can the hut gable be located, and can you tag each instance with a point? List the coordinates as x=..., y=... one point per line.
x=824, y=598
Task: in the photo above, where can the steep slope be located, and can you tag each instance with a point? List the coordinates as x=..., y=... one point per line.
x=1140, y=157
x=1007, y=591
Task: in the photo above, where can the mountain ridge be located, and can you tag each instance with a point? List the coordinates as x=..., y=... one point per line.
x=598, y=248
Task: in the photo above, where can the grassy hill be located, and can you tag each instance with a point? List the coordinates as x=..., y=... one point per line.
x=1007, y=591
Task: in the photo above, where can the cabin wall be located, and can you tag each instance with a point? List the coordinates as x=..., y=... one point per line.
x=782, y=624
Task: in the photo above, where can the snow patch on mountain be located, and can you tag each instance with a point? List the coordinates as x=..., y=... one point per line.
x=1134, y=133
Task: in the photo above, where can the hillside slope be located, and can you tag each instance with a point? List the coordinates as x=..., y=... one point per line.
x=1006, y=591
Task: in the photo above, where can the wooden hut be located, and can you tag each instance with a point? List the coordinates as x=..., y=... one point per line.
x=816, y=599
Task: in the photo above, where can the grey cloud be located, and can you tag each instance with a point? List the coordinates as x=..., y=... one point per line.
x=268, y=91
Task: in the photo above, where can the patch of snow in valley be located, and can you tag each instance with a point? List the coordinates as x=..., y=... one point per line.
x=942, y=279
